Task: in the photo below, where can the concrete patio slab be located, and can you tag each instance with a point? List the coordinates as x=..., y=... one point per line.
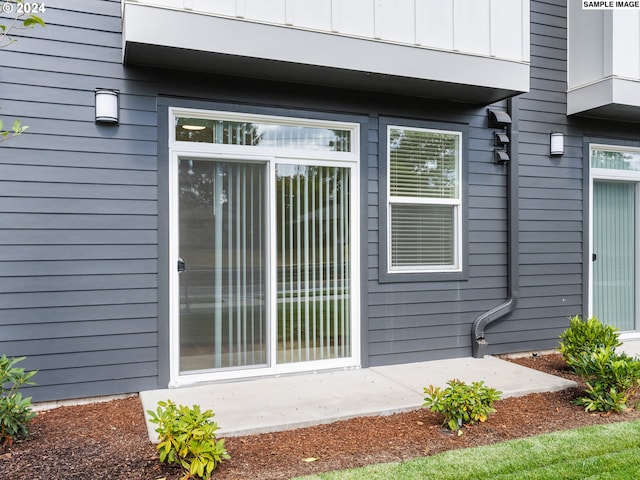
x=511, y=379
x=286, y=402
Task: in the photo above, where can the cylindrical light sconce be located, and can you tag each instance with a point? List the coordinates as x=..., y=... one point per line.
x=556, y=144
x=107, y=106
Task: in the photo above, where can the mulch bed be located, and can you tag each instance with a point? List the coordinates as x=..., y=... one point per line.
x=109, y=440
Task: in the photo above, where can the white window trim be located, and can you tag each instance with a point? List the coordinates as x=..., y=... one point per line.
x=270, y=157
x=455, y=202
x=351, y=156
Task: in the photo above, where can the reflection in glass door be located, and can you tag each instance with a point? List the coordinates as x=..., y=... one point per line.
x=222, y=247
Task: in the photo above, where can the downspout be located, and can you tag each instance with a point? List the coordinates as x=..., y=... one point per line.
x=479, y=343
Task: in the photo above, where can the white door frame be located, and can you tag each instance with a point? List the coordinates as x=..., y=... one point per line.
x=627, y=176
x=269, y=157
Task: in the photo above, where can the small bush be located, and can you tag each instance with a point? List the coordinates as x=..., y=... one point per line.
x=15, y=411
x=188, y=438
x=611, y=378
x=589, y=348
x=586, y=336
x=461, y=404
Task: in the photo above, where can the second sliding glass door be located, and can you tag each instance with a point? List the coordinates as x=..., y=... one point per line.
x=254, y=294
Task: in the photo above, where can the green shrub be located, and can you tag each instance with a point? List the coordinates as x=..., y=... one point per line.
x=586, y=336
x=15, y=411
x=188, y=438
x=611, y=378
x=589, y=348
x=461, y=404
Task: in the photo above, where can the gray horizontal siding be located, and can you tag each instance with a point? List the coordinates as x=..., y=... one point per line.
x=80, y=160
x=43, y=221
x=451, y=317
x=114, y=146
x=78, y=210
x=67, y=390
x=76, y=313
x=80, y=237
x=64, y=206
x=86, y=192
x=419, y=321
x=75, y=267
x=70, y=344
x=427, y=310
x=107, y=357
x=77, y=283
x=550, y=199
x=422, y=320
x=84, y=375
x=88, y=297
x=424, y=352
x=77, y=252
x=60, y=329
x=71, y=174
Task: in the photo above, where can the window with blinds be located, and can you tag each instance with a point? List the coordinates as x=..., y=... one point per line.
x=424, y=201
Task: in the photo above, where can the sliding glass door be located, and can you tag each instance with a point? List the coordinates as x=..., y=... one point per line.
x=222, y=262
x=265, y=244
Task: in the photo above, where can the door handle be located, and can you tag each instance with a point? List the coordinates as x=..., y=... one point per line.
x=181, y=265
x=593, y=257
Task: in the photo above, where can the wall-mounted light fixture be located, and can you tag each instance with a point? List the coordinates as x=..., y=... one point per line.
x=107, y=106
x=556, y=144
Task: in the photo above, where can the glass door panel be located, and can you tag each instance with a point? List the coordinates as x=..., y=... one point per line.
x=614, y=246
x=223, y=247
x=313, y=263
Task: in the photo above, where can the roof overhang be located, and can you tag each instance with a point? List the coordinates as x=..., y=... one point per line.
x=190, y=41
x=612, y=98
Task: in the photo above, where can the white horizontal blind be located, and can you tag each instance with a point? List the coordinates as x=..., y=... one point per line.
x=423, y=163
x=422, y=235
x=424, y=199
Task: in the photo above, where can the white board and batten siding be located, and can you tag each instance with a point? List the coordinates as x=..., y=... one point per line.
x=480, y=27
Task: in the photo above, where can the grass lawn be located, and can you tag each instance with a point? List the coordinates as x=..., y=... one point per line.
x=599, y=452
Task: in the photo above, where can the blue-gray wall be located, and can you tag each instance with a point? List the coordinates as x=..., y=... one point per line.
x=78, y=210
x=83, y=208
